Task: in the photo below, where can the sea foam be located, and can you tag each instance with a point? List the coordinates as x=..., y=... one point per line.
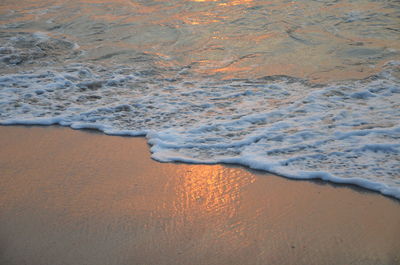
x=345, y=132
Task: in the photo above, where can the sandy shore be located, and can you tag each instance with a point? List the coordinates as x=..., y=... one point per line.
x=79, y=197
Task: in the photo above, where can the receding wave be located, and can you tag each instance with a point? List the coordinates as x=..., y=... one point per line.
x=345, y=132
x=304, y=89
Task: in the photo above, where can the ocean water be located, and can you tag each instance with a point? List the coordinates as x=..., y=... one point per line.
x=304, y=89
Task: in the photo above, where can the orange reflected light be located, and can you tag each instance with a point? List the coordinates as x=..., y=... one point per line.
x=200, y=18
x=210, y=190
x=232, y=68
x=236, y=2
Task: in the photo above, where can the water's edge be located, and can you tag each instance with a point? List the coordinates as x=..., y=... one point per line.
x=352, y=182
x=305, y=90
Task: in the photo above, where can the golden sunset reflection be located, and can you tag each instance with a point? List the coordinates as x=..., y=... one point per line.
x=236, y=2
x=201, y=191
x=200, y=18
x=209, y=191
x=152, y=87
x=213, y=36
x=92, y=193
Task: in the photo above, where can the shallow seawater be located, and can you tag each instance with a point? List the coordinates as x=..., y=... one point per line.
x=304, y=89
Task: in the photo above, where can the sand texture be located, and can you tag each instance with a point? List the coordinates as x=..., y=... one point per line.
x=83, y=198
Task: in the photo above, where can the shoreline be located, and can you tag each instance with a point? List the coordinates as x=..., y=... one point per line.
x=79, y=197
x=363, y=184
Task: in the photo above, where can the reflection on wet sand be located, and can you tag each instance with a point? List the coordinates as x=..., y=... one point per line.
x=206, y=193
x=75, y=197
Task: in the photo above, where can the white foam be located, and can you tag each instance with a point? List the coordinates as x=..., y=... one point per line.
x=345, y=133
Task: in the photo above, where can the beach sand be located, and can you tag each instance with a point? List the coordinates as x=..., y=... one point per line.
x=82, y=197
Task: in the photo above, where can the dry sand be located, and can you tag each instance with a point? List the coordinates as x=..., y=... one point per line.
x=79, y=197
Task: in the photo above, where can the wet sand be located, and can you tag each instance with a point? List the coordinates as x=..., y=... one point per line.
x=79, y=197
